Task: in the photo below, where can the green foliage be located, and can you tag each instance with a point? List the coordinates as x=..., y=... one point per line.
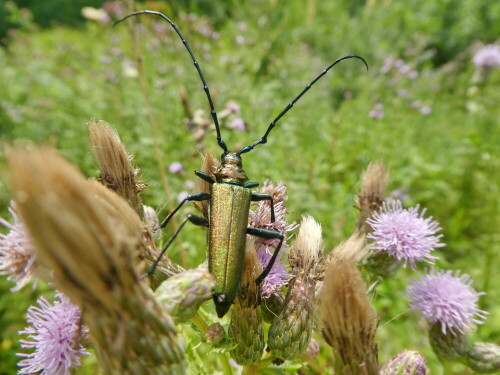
x=54, y=80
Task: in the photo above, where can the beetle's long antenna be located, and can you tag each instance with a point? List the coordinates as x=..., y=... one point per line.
x=287, y=108
x=222, y=144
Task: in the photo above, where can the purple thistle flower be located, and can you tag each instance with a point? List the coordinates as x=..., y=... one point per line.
x=487, y=57
x=17, y=254
x=55, y=334
x=261, y=218
x=404, y=233
x=175, y=167
x=377, y=112
x=446, y=298
x=237, y=124
x=278, y=276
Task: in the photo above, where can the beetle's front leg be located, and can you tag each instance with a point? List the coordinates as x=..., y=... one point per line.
x=192, y=197
x=196, y=220
x=264, y=197
x=267, y=234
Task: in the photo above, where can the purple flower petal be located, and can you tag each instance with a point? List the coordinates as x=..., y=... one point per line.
x=55, y=334
x=404, y=233
x=446, y=298
x=17, y=254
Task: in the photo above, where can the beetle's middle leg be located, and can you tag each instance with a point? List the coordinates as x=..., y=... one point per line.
x=191, y=197
x=267, y=234
x=196, y=220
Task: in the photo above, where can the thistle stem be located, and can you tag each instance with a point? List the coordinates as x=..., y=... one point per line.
x=200, y=323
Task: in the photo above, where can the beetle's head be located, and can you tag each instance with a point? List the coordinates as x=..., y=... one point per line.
x=231, y=170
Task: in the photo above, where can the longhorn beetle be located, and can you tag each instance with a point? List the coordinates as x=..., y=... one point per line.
x=229, y=201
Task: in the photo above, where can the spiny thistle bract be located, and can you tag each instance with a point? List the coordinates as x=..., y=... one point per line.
x=91, y=241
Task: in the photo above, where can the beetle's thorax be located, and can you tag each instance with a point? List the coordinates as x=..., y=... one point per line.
x=231, y=170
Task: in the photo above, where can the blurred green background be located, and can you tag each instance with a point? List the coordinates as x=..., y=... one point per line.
x=423, y=108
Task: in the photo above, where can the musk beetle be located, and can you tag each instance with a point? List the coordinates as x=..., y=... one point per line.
x=229, y=200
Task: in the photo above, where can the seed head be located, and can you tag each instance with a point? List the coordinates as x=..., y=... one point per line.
x=348, y=321
x=116, y=170
x=373, y=187
x=17, y=254
x=55, y=333
x=404, y=233
x=447, y=299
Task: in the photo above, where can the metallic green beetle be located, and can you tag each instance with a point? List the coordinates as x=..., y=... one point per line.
x=229, y=198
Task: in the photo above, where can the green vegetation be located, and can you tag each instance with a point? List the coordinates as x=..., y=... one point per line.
x=260, y=54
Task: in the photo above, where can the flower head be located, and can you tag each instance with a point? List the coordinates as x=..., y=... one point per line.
x=404, y=233
x=487, y=57
x=17, y=254
x=261, y=218
x=175, y=167
x=446, y=298
x=55, y=334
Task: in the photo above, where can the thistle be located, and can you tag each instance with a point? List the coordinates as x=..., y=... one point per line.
x=17, y=255
x=182, y=294
x=118, y=174
x=261, y=218
x=373, y=187
x=449, y=303
x=116, y=170
x=404, y=234
x=89, y=237
x=245, y=330
x=408, y=362
x=290, y=331
x=56, y=334
x=348, y=321
x=484, y=357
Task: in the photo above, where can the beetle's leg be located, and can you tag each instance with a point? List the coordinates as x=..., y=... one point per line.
x=264, y=197
x=192, y=197
x=196, y=220
x=251, y=185
x=268, y=234
x=205, y=176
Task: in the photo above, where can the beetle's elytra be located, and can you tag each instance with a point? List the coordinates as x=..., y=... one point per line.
x=229, y=200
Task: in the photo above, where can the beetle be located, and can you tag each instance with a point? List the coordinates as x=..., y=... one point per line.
x=229, y=200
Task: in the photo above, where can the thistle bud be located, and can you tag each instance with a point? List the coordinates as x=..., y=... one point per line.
x=245, y=330
x=407, y=362
x=214, y=334
x=182, y=294
x=290, y=331
x=484, y=358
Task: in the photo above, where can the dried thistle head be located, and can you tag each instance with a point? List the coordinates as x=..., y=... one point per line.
x=116, y=170
x=373, y=186
x=348, y=321
x=208, y=166
x=306, y=252
x=88, y=237
x=354, y=249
